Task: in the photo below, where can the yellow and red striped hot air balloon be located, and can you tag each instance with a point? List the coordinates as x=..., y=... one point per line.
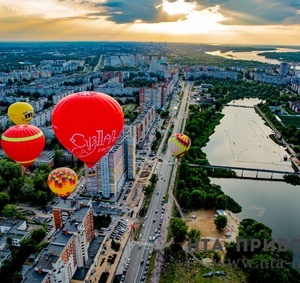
x=179, y=144
x=62, y=181
x=23, y=143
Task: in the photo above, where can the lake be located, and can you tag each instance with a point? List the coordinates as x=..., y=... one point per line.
x=241, y=139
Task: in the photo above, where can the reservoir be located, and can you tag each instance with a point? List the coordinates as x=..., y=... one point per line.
x=241, y=139
x=252, y=55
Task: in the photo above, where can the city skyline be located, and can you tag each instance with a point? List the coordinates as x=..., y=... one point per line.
x=207, y=21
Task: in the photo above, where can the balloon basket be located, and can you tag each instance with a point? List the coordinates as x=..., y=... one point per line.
x=25, y=171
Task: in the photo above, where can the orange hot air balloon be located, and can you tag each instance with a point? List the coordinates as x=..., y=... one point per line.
x=179, y=144
x=23, y=143
x=62, y=181
x=87, y=124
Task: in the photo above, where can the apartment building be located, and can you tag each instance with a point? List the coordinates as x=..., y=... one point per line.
x=74, y=248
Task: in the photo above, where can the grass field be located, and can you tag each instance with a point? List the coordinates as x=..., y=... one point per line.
x=291, y=119
x=192, y=272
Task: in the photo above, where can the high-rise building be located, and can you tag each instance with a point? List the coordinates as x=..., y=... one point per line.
x=283, y=69
x=130, y=149
x=109, y=175
x=73, y=248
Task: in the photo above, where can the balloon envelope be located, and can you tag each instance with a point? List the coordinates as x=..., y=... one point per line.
x=62, y=181
x=87, y=124
x=23, y=143
x=179, y=144
x=20, y=113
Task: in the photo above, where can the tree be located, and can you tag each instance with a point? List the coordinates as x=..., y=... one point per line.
x=58, y=157
x=153, y=179
x=184, y=198
x=28, y=193
x=10, y=210
x=41, y=198
x=115, y=245
x=221, y=202
x=37, y=235
x=268, y=268
x=220, y=222
x=179, y=230
x=4, y=200
x=194, y=235
x=198, y=198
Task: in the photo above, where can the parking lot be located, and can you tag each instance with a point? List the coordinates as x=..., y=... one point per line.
x=119, y=230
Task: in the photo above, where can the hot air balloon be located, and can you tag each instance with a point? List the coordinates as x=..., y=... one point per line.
x=20, y=112
x=23, y=143
x=179, y=144
x=87, y=124
x=62, y=181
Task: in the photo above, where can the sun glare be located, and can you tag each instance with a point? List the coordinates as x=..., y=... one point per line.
x=205, y=21
x=178, y=7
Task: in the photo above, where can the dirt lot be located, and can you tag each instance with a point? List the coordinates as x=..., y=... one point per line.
x=204, y=222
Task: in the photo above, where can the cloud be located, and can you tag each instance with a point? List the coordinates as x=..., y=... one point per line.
x=161, y=20
x=256, y=12
x=127, y=11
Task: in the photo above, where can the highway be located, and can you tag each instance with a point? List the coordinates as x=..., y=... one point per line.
x=155, y=219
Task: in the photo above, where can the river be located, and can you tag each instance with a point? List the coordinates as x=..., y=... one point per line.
x=241, y=139
x=252, y=55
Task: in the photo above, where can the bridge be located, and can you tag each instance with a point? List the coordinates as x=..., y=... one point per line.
x=257, y=170
x=236, y=105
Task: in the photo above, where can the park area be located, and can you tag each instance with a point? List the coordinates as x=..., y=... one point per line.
x=181, y=267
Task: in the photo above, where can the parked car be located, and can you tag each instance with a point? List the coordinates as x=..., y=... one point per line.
x=209, y=274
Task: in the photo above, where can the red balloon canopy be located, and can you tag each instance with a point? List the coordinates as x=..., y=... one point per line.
x=23, y=143
x=88, y=124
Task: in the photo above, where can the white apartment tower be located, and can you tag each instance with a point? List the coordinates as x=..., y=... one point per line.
x=108, y=176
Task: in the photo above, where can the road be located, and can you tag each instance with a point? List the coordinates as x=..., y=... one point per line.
x=155, y=218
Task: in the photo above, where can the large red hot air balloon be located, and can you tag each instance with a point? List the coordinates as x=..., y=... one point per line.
x=23, y=143
x=88, y=124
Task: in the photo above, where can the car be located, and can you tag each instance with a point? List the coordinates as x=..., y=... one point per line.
x=156, y=211
x=139, y=247
x=142, y=261
x=143, y=225
x=154, y=220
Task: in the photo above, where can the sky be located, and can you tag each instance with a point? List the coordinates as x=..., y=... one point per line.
x=202, y=21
